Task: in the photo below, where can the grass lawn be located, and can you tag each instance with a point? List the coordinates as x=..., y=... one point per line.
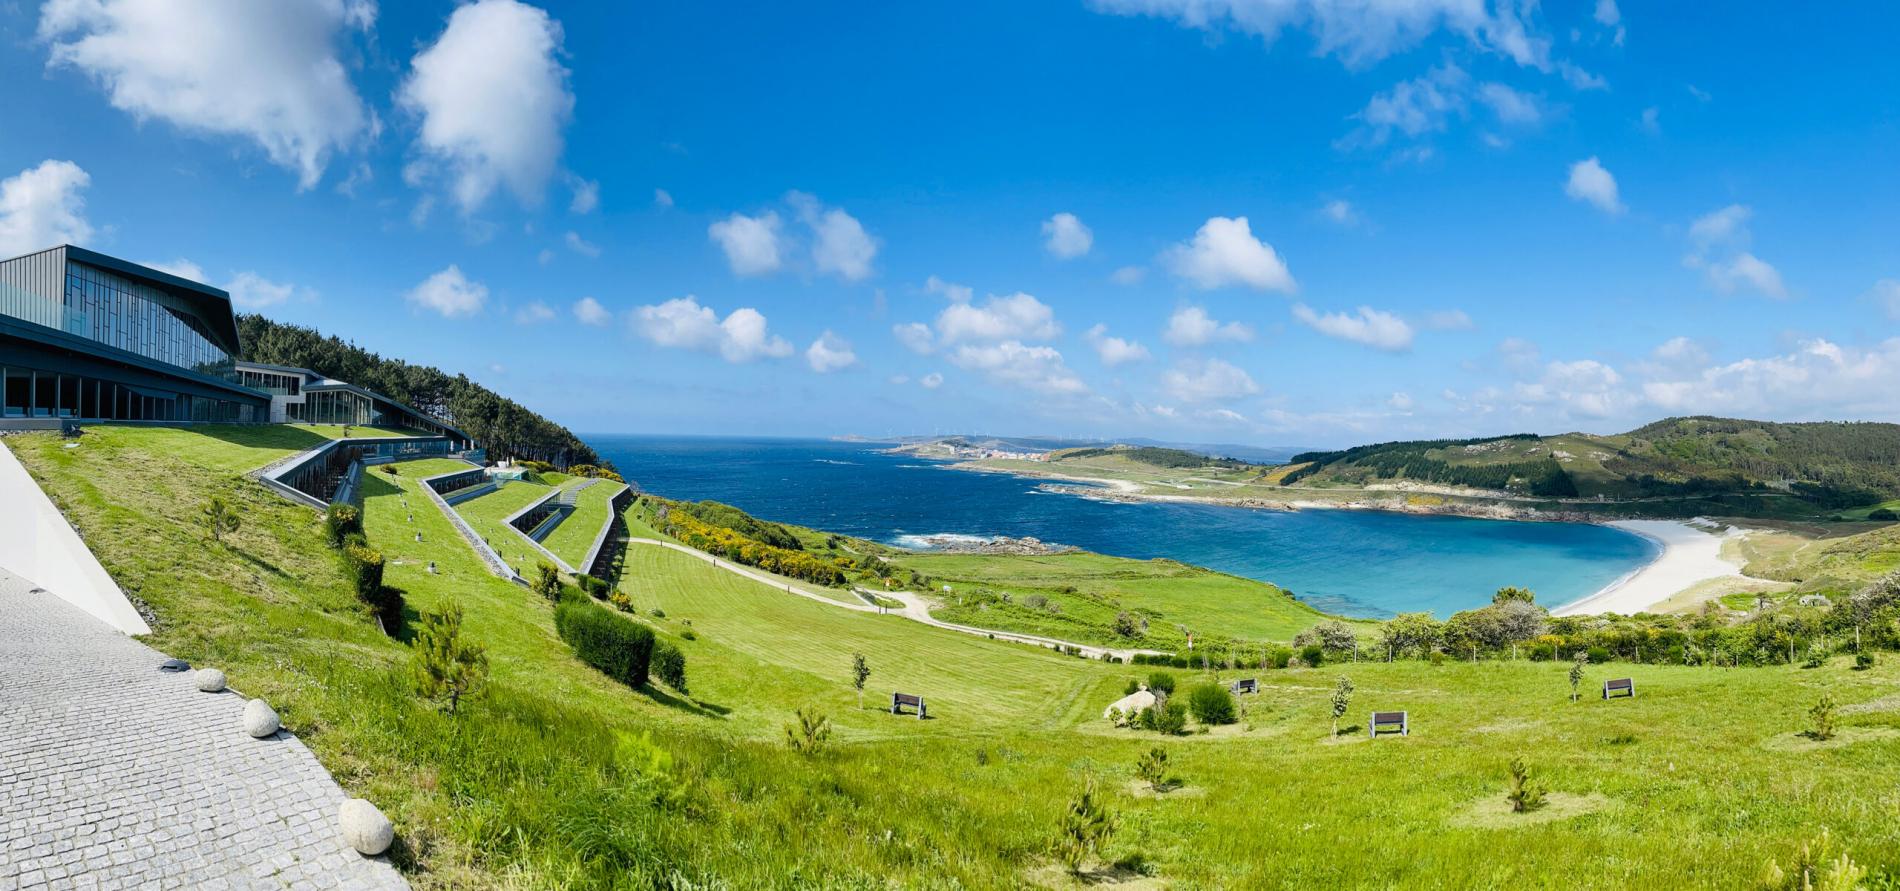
x=576, y=534
x=488, y=515
x=1092, y=588
x=542, y=781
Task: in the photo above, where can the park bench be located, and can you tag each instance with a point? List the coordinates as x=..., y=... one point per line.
x=1391, y=722
x=1619, y=687
x=1246, y=685
x=900, y=700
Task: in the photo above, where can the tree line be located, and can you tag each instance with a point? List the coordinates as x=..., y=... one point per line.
x=501, y=425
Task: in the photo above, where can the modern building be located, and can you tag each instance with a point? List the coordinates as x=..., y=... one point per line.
x=84, y=336
x=302, y=396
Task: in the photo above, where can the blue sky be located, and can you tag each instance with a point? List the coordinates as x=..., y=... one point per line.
x=1460, y=218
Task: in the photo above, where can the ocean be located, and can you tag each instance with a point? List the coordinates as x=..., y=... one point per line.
x=1356, y=563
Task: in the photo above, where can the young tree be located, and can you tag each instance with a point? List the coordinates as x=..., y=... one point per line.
x=809, y=733
x=1086, y=825
x=860, y=672
x=1525, y=794
x=547, y=582
x=1342, y=700
x=1576, y=674
x=1125, y=625
x=218, y=518
x=1818, y=866
x=1822, y=714
x=1152, y=768
x=447, y=668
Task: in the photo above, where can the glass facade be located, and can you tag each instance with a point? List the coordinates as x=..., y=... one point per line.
x=335, y=407
x=32, y=393
x=272, y=382
x=114, y=310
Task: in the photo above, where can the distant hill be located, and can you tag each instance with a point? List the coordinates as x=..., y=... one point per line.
x=1829, y=464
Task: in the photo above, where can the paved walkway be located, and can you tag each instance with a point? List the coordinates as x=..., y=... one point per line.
x=915, y=607
x=114, y=774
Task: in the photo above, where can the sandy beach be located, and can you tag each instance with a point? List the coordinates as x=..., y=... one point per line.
x=1692, y=553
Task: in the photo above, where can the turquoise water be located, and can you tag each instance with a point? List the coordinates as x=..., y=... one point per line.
x=1357, y=563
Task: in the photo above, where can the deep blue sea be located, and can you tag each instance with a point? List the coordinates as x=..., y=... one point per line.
x=1358, y=563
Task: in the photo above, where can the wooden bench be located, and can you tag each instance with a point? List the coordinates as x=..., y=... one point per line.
x=1246, y=685
x=900, y=700
x=1391, y=722
x=1619, y=686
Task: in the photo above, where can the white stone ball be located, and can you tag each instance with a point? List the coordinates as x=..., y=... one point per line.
x=365, y=827
x=210, y=680
x=260, y=720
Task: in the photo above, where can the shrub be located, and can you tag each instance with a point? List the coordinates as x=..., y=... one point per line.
x=1822, y=714
x=1152, y=768
x=1819, y=866
x=1134, y=686
x=386, y=603
x=1211, y=704
x=1162, y=683
x=547, y=582
x=339, y=521
x=390, y=469
x=1312, y=655
x=689, y=634
x=1885, y=514
x=1086, y=825
x=218, y=518
x=1125, y=625
x=1863, y=661
x=807, y=735
x=364, y=567
x=621, y=601
x=622, y=649
x=1599, y=655
x=447, y=669
x=1438, y=657
x=1342, y=700
x=1170, y=718
x=670, y=665
x=1280, y=657
x=1525, y=793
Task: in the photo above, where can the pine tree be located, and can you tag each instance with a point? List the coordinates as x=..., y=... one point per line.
x=860, y=672
x=1525, y=794
x=448, y=669
x=1086, y=825
x=218, y=518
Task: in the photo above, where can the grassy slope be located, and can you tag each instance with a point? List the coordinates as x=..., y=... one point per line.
x=575, y=535
x=488, y=516
x=524, y=790
x=1201, y=599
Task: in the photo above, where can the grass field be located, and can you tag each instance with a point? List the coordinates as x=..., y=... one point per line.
x=488, y=515
x=575, y=535
x=539, y=783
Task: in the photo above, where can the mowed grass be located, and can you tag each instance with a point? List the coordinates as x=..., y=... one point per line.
x=1203, y=600
x=1698, y=782
x=488, y=516
x=576, y=534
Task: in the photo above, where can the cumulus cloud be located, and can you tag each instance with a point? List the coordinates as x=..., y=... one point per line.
x=751, y=243
x=1359, y=34
x=840, y=245
x=1114, y=351
x=1128, y=275
x=589, y=312
x=830, y=353
x=931, y=381
x=1191, y=326
x=493, y=100
x=449, y=293
x=1511, y=106
x=1413, y=108
x=43, y=206
x=682, y=323
x=1375, y=328
x=265, y=72
x=534, y=313
x=249, y=290
x=1223, y=253
x=1817, y=379
x=586, y=196
x=1719, y=242
x=1066, y=237
x=916, y=337
x=1016, y=316
x=1210, y=380
x=1400, y=401
x=580, y=245
x=1592, y=184
x=1013, y=364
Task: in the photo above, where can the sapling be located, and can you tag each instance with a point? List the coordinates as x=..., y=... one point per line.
x=1086, y=824
x=447, y=669
x=860, y=672
x=1152, y=768
x=1576, y=674
x=1822, y=714
x=1525, y=794
x=1342, y=700
x=218, y=518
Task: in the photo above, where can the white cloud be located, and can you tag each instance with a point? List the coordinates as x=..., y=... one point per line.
x=252, y=291
x=1400, y=401
x=1701, y=95
x=1011, y=363
x=1341, y=212
x=931, y=381
x=1607, y=14
x=1718, y=246
x=1357, y=33
x=1191, y=326
x=830, y=353
x=1590, y=183
x=662, y=198
x=184, y=269
x=1513, y=107
x=1745, y=271
x=1224, y=252
x=590, y=312
x=1720, y=228
x=580, y=245
x=1886, y=292
x=1211, y=380
x=951, y=291
x=449, y=294
x=493, y=99
x=266, y=72
x=586, y=196
x=751, y=243
x=1114, y=351
x=684, y=324
x=1374, y=328
x=1650, y=122
x=1066, y=237
x=42, y=206
x=545, y=257
x=1413, y=108
x=840, y=245
x=1818, y=379
x=1582, y=80
x=1128, y=275
x=534, y=313
x=916, y=337
x=1450, y=320
x=1017, y=316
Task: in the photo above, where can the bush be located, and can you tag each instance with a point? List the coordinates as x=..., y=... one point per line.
x=1885, y=514
x=1312, y=655
x=1170, y=718
x=1280, y=657
x=1134, y=686
x=1211, y=704
x=1162, y=683
x=1863, y=661
x=1599, y=655
x=620, y=648
x=364, y=568
x=339, y=521
x=670, y=665
x=391, y=470
x=447, y=669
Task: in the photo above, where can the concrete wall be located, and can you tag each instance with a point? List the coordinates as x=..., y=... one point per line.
x=38, y=544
